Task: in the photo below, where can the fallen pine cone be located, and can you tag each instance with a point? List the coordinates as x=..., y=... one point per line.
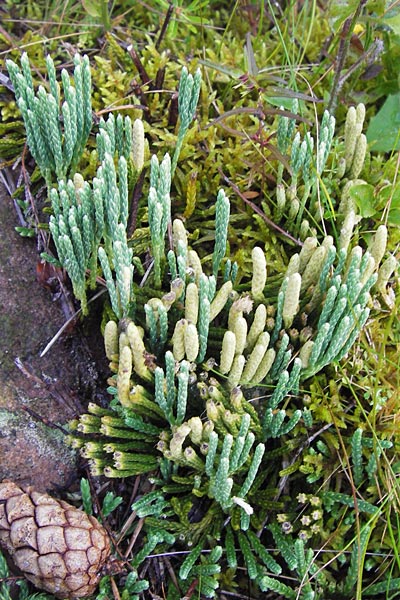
x=58, y=547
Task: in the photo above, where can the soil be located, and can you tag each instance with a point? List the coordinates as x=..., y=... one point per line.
x=39, y=395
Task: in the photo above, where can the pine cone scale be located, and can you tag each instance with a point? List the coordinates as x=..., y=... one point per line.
x=76, y=561
x=77, y=538
x=19, y=506
x=58, y=547
x=26, y=560
x=51, y=539
x=53, y=564
x=54, y=516
x=24, y=533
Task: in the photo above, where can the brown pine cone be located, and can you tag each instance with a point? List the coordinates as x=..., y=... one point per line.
x=58, y=547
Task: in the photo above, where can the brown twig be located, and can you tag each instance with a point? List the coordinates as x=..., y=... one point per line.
x=67, y=323
x=165, y=24
x=120, y=107
x=44, y=421
x=138, y=64
x=259, y=211
x=134, y=205
x=135, y=535
x=344, y=45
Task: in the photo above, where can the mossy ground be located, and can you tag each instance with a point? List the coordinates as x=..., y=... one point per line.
x=256, y=58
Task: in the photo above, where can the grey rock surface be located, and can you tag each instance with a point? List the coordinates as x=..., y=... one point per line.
x=36, y=394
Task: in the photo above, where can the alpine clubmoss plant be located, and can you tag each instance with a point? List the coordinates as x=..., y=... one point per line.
x=224, y=458
x=208, y=376
x=317, y=168
x=84, y=215
x=57, y=150
x=223, y=351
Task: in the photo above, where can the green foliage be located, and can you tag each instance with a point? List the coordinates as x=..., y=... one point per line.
x=159, y=210
x=86, y=496
x=55, y=150
x=383, y=130
x=133, y=587
x=84, y=216
x=98, y=10
x=226, y=458
x=188, y=97
x=231, y=360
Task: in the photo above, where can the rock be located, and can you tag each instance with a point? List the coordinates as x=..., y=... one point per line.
x=41, y=391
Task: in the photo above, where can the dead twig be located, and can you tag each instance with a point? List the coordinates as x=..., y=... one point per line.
x=258, y=210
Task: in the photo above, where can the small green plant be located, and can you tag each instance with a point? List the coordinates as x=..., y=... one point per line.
x=99, y=11
x=56, y=150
